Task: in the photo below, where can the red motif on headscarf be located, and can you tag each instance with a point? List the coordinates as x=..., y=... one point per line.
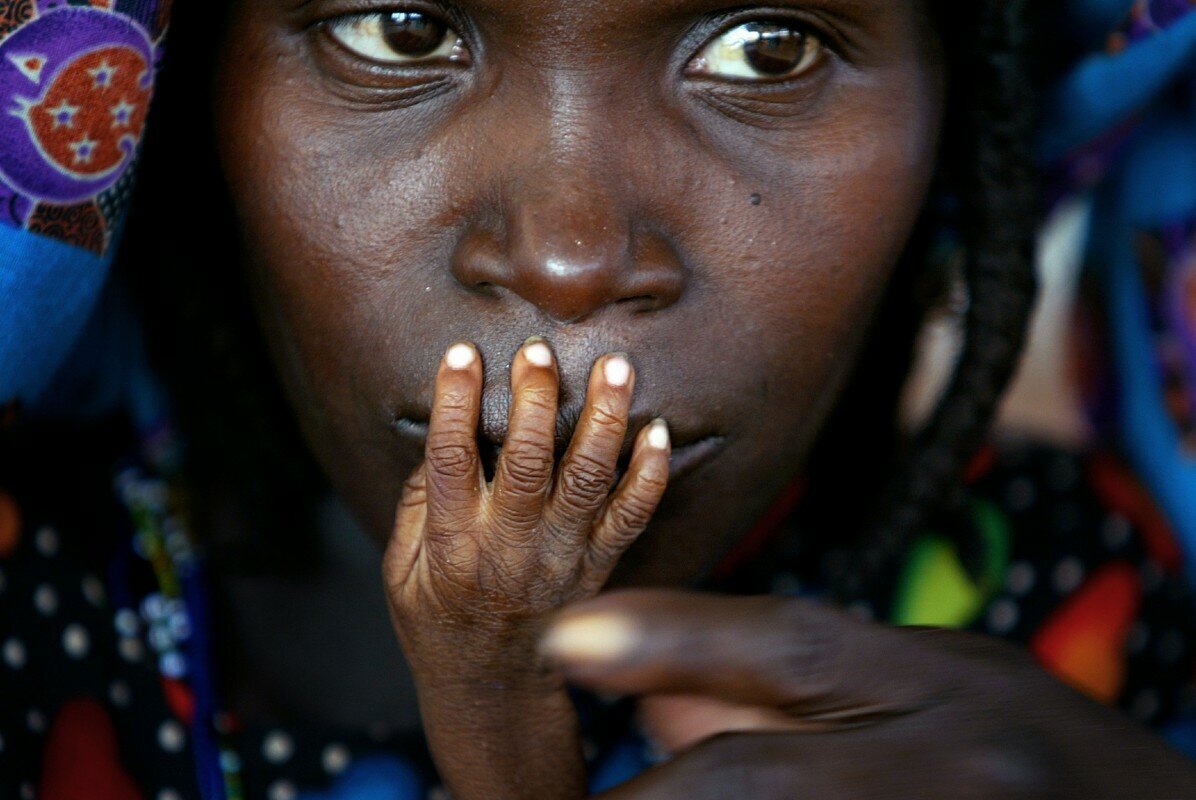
x=92, y=116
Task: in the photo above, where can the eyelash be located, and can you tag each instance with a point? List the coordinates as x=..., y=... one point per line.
x=825, y=35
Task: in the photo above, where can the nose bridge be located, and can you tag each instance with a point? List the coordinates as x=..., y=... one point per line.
x=568, y=227
x=568, y=239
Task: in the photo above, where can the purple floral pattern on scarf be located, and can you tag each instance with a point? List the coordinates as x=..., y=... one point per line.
x=76, y=79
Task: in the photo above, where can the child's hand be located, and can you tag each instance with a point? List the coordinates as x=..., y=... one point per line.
x=472, y=569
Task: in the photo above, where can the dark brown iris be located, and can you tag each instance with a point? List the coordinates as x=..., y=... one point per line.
x=410, y=33
x=776, y=49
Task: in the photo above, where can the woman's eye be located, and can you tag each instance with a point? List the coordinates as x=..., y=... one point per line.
x=398, y=37
x=759, y=50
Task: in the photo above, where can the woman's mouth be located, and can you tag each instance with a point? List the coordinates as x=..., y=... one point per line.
x=689, y=451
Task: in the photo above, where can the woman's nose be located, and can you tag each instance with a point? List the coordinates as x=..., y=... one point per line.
x=571, y=253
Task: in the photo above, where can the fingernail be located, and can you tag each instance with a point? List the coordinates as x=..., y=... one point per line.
x=460, y=356
x=658, y=435
x=537, y=352
x=591, y=638
x=617, y=370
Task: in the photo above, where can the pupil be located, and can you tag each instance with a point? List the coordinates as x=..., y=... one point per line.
x=775, y=50
x=410, y=33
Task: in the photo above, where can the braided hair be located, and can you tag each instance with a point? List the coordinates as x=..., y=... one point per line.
x=986, y=164
x=988, y=168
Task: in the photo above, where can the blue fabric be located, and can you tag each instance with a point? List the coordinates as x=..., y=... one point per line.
x=1122, y=124
x=48, y=293
x=1106, y=89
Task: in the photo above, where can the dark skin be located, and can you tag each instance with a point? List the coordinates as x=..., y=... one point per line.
x=599, y=175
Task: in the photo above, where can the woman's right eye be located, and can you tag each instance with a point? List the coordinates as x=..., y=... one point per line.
x=399, y=37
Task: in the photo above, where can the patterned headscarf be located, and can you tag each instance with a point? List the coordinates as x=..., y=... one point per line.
x=76, y=78
x=1121, y=127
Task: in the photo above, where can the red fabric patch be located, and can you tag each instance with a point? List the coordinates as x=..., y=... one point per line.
x=92, y=117
x=1083, y=642
x=80, y=761
x=1123, y=494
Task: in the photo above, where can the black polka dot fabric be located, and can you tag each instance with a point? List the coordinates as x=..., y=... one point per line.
x=90, y=661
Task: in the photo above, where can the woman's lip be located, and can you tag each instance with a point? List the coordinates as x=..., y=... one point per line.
x=684, y=459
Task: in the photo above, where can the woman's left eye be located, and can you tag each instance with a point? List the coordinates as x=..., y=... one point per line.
x=399, y=37
x=759, y=51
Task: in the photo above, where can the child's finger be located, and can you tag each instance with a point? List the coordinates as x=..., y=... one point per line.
x=525, y=463
x=452, y=466
x=633, y=502
x=406, y=541
x=587, y=469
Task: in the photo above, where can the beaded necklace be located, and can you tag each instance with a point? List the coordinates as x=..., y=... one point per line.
x=177, y=622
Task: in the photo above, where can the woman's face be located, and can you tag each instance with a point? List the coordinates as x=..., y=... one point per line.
x=721, y=193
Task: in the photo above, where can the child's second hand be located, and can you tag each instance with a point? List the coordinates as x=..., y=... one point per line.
x=473, y=569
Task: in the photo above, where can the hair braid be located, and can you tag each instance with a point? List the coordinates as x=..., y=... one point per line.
x=995, y=103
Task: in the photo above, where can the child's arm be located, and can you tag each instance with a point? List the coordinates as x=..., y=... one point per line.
x=473, y=570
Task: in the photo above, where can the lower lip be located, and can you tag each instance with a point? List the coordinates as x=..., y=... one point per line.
x=684, y=459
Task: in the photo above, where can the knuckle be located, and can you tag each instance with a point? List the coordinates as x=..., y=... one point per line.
x=526, y=467
x=449, y=460
x=586, y=478
x=631, y=514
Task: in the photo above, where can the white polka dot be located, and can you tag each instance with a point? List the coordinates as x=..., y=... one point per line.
x=1020, y=578
x=1138, y=638
x=169, y=794
x=127, y=622
x=277, y=747
x=1020, y=494
x=14, y=653
x=119, y=694
x=36, y=720
x=171, y=737
x=131, y=649
x=173, y=664
x=1003, y=616
x=335, y=759
x=1169, y=648
x=93, y=590
x=45, y=599
x=1116, y=531
x=1068, y=575
x=27, y=792
x=75, y=641
x=1145, y=705
x=281, y=790
x=46, y=541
